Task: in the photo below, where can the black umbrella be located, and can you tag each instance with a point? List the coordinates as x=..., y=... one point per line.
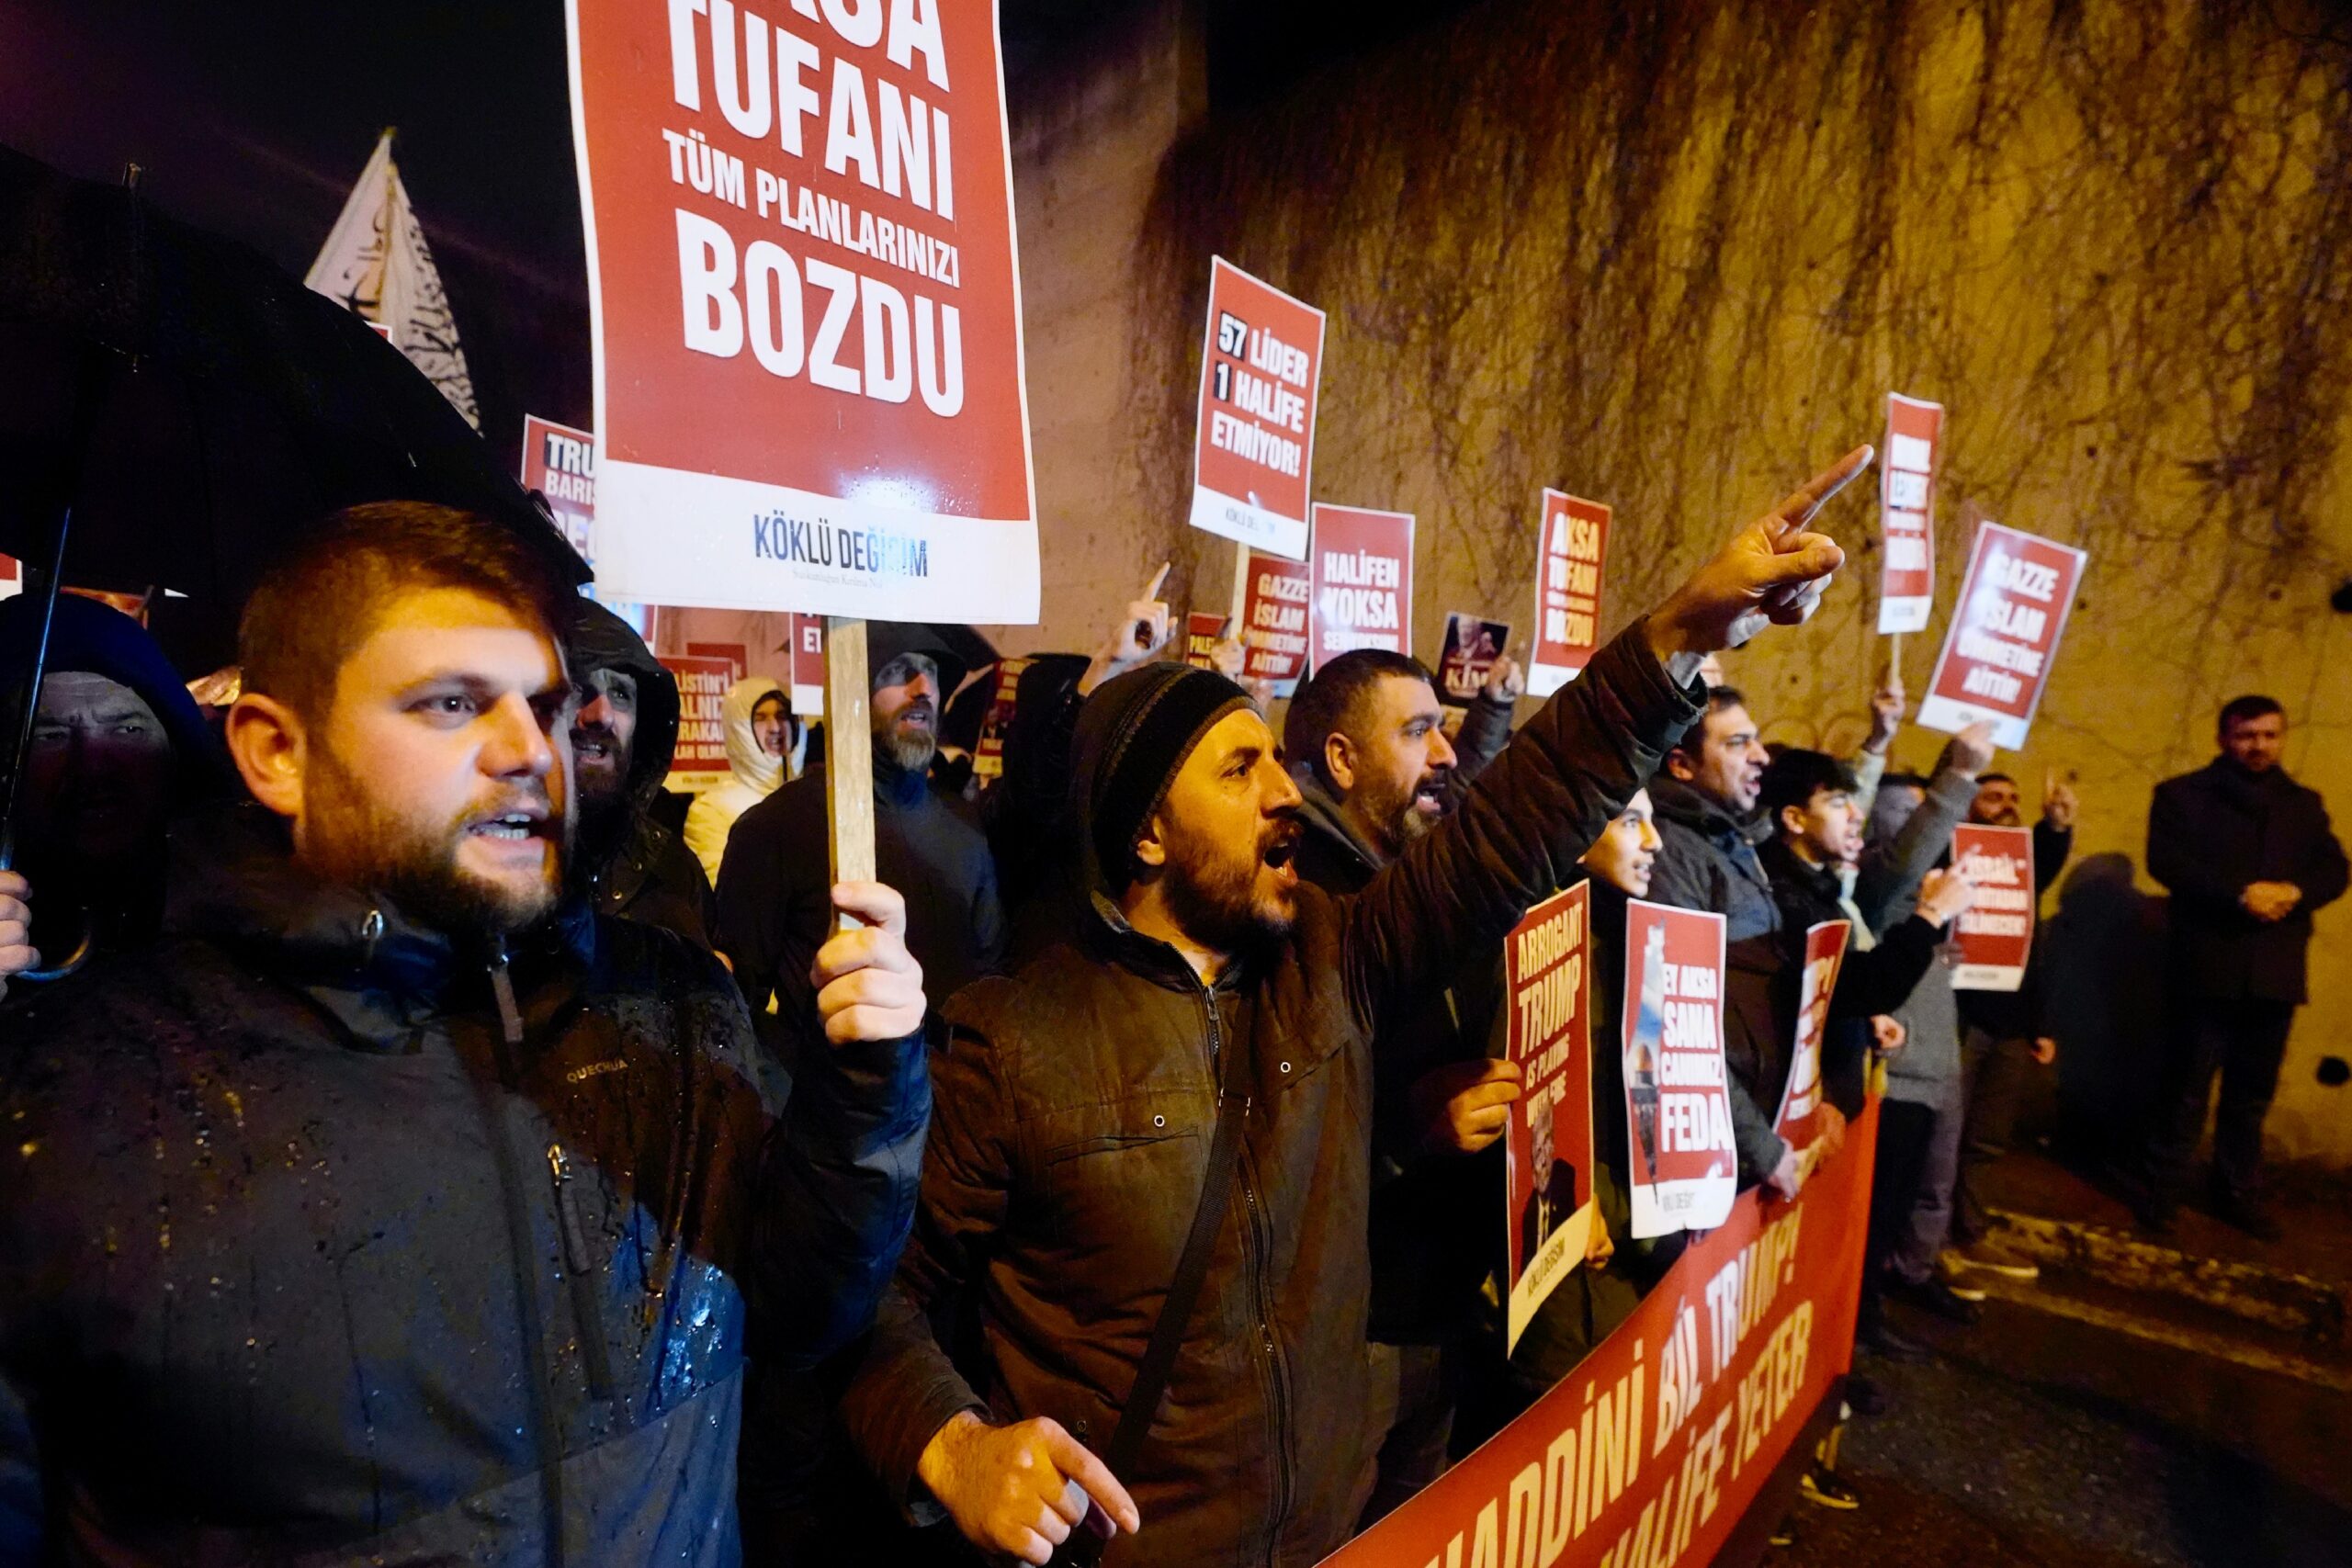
x=173, y=408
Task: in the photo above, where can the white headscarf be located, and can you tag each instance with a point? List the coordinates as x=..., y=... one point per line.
x=751, y=765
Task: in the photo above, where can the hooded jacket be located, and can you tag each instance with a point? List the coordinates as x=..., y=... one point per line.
x=325, y=1240
x=752, y=774
x=634, y=866
x=1076, y=1101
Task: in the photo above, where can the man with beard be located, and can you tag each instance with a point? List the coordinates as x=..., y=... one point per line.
x=1707, y=826
x=624, y=732
x=449, y=1193
x=1074, y=1171
x=1366, y=747
x=773, y=907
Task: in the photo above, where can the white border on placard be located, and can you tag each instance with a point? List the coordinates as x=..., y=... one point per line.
x=1702, y=1203
x=1315, y=652
x=1233, y=517
x=1950, y=715
x=1910, y=612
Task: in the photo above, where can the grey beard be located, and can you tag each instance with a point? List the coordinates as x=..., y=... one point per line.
x=908, y=753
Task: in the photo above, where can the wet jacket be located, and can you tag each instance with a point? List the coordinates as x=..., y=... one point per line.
x=2209, y=834
x=636, y=867
x=1075, y=1103
x=1706, y=860
x=321, y=1244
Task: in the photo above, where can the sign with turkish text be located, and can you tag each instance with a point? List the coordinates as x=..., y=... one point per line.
x=1274, y=614
x=1651, y=1452
x=988, y=754
x=1254, y=451
x=1995, y=932
x=12, y=578
x=1364, y=581
x=1906, y=514
x=560, y=464
x=700, y=759
x=808, y=665
x=1204, y=629
x=805, y=308
x=1825, y=954
x=734, y=653
x=2004, y=634
x=1677, y=1104
x=1473, y=644
x=1548, y=1211
x=1567, y=591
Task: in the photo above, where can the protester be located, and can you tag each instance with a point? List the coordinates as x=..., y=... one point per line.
x=1367, y=748
x=118, y=746
x=765, y=745
x=2247, y=855
x=623, y=734
x=1076, y=1102
x=450, y=1192
x=2004, y=1037
x=1706, y=822
x=773, y=907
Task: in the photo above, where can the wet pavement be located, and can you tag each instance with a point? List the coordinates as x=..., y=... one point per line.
x=2087, y=1423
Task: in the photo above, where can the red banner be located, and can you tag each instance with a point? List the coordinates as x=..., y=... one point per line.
x=1647, y=1455
x=1472, y=646
x=1548, y=1208
x=1253, y=454
x=733, y=652
x=805, y=308
x=1906, y=514
x=1567, y=591
x=988, y=755
x=1995, y=932
x=2004, y=634
x=1274, y=621
x=1825, y=954
x=807, y=647
x=12, y=578
x=1364, y=581
x=1204, y=629
x=1678, y=1103
x=700, y=759
x=560, y=464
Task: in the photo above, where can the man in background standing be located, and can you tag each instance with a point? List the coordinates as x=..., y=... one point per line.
x=2247, y=855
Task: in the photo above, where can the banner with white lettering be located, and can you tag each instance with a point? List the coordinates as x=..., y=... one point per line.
x=700, y=759
x=1548, y=1212
x=1825, y=954
x=1678, y=1106
x=807, y=643
x=1364, y=581
x=988, y=753
x=2004, y=634
x=1473, y=644
x=1906, y=514
x=1567, y=590
x=1274, y=614
x=1204, y=629
x=560, y=464
x=805, y=308
x=1995, y=932
x=1253, y=453
x=1652, y=1451
x=737, y=656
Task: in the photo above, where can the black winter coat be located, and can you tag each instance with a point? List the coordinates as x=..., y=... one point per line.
x=1076, y=1101
x=2212, y=832
x=323, y=1242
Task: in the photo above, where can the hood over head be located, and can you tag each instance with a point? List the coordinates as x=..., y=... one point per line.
x=752, y=766
x=1133, y=734
x=599, y=639
x=98, y=639
x=949, y=647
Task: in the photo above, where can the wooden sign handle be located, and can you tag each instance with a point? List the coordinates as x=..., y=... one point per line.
x=1240, y=589
x=848, y=756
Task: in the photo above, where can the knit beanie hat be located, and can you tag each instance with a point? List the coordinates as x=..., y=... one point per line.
x=1133, y=735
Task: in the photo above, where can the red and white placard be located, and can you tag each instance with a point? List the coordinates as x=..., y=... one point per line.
x=1253, y=454
x=1575, y=541
x=1906, y=514
x=1364, y=581
x=2004, y=634
x=1995, y=932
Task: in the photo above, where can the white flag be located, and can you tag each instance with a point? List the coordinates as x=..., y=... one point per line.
x=376, y=262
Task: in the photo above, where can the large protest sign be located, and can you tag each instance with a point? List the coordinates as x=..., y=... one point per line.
x=988, y=752
x=1253, y=454
x=1204, y=629
x=1364, y=581
x=1678, y=1106
x=739, y=662
x=2004, y=634
x=1567, y=591
x=1274, y=613
x=1825, y=954
x=1906, y=514
x=700, y=759
x=806, y=309
x=1995, y=932
x=560, y=464
x=1473, y=644
x=1548, y=1212
x=1652, y=1450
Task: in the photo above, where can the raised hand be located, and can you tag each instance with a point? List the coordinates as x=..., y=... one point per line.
x=868, y=985
x=1771, y=572
x=1970, y=751
x=1009, y=1489
x=1137, y=636
x=17, y=951
x=2058, y=804
x=1886, y=712
x=1943, y=895
x=1506, y=683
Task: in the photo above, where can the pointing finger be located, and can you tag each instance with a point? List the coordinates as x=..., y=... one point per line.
x=1152, y=592
x=1077, y=1460
x=1811, y=496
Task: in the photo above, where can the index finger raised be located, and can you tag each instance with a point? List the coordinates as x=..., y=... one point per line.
x=1077, y=1460
x=1810, y=497
x=1151, y=590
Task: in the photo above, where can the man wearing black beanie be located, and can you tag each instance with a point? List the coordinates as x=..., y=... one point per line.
x=1202, y=1044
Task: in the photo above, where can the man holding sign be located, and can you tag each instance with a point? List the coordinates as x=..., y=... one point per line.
x=1093, y=1110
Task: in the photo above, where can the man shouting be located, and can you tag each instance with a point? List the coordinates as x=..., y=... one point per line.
x=1074, y=1141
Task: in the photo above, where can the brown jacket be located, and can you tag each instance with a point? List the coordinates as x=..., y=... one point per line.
x=1074, y=1107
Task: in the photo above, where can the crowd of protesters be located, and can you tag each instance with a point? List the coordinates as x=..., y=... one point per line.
x=432, y=1155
